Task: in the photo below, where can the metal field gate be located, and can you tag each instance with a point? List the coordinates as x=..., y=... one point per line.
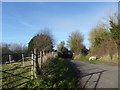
x=16, y=69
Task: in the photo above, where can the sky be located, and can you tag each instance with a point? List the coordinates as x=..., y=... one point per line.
x=23, y=20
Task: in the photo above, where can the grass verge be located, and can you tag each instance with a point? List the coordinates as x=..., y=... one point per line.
x=56, y=74
x=85, y=59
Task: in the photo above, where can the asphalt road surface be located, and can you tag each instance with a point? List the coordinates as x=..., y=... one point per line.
x=97, y=75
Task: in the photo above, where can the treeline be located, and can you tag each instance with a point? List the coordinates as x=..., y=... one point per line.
x=74, y=46
x=12, y=48
x=102, y=42
x=104, y=39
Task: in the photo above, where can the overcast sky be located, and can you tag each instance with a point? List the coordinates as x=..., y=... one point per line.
x=22, y=20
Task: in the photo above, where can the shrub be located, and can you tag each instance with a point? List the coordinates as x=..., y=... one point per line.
x=57, y=74
x=67, y=54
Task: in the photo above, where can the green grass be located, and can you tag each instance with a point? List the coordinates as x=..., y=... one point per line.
x=85, y=59
x=13, y=78
x=56, y=74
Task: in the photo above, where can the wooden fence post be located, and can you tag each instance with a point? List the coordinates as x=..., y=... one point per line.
x=23, y=59
x=9, y=58
x=40, y=59
x=44, y=57
x=32, y=69
x=35, y=63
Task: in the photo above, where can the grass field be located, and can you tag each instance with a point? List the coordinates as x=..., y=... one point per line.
x=17, y=71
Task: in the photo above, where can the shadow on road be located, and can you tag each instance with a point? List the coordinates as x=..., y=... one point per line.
x=91, y=75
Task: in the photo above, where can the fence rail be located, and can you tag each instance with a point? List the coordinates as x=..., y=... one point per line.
x=15, y=53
